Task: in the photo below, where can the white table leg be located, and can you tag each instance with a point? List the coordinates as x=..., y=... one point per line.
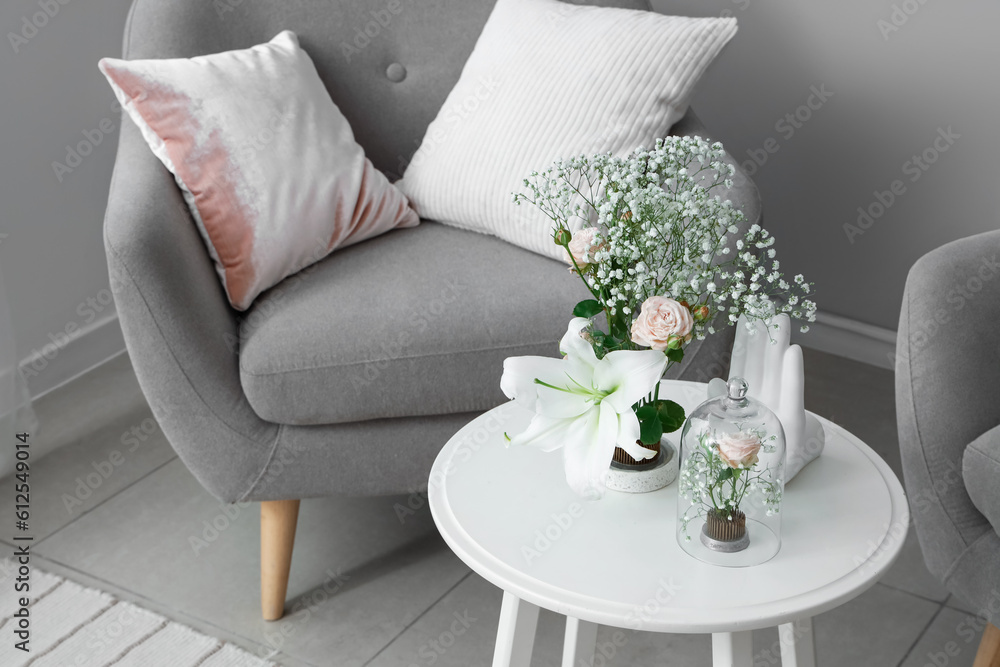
x=797, y=647
x=579, y=643
x=732, y=649
x=516, y=634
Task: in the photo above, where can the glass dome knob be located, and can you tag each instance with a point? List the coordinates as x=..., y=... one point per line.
x=737, y=389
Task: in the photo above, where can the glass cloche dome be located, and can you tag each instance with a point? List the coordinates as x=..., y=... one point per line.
x=731, y=480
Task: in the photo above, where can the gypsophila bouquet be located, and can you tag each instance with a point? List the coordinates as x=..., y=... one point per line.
x=652, y=233
x=665, y=260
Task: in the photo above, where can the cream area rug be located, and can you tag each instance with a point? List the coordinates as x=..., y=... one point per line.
x=73, y=626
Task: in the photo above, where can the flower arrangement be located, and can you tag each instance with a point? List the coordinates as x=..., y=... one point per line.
x=663, y=257
x=720, y=474
x=584, y=404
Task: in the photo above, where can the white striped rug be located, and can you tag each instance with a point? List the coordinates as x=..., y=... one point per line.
x=73, y=626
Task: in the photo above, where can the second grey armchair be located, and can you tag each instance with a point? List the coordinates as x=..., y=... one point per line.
x=948, y=411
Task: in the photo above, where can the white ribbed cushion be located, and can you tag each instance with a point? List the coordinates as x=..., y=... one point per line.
x=549, y=80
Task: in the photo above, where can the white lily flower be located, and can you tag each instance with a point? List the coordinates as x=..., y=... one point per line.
x=583, y=404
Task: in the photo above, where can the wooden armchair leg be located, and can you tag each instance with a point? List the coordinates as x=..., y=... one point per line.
x=277, y=537
x=989, y=648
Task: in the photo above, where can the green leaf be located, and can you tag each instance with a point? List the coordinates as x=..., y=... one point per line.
x=650, y=430
x=647, y=411
x=726, y=474
x=671, y=415
x=587, y=308
x=675, y=355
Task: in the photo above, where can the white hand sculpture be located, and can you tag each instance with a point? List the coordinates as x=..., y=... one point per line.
x=774, y=373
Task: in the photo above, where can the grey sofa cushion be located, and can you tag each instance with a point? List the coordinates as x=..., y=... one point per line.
x=414, y=322
x=981, y=470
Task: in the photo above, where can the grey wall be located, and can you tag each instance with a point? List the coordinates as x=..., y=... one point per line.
x=890, y=97
x=891, y=94
x=52, y=257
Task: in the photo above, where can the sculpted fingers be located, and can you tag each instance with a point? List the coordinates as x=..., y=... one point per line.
x=737, y=364
x=793, y=380
x=776, y=338
x=753, y=365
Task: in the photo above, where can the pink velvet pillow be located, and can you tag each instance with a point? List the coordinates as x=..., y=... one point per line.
x=267, y=163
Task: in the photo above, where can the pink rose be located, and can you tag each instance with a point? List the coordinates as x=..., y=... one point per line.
x=582, y=245
x=660, y=319
x=739, y=450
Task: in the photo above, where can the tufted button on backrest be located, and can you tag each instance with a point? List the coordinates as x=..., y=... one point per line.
x=350, y=41
x=395, y=72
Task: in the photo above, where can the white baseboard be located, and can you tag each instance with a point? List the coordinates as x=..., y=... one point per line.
x=849, y=338
x=68, y=357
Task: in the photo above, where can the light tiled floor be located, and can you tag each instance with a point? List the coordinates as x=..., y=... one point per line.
x=370, y=589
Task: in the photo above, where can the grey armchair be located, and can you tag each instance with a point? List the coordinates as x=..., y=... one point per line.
x=948, y=409
x=349, y=377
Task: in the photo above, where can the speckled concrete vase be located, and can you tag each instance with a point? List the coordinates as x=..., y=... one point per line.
x=645, y=478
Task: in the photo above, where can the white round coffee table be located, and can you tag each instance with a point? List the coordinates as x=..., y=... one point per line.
x=509, y=515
